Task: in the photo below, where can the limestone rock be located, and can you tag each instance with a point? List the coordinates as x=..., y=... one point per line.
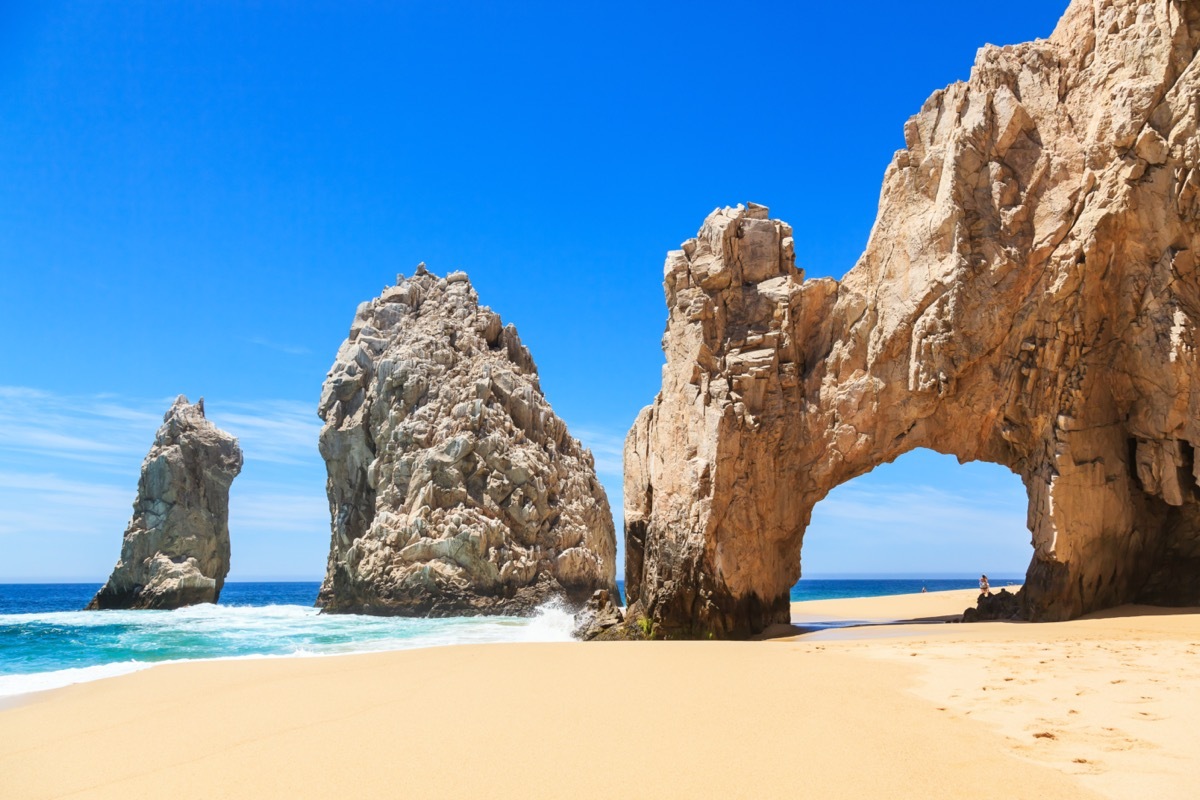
x=176, y=548
x=453, y=487
x=1028, y=296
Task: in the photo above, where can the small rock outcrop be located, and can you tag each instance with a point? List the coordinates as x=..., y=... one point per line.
x=1003, y=605
x=1029, y=296
x=453, y=487
x=600, y=613
x=176, y=548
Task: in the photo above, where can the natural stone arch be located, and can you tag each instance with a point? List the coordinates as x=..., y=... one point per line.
x=1027, y=297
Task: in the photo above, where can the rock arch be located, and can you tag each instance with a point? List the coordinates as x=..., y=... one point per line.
x=1028, y=297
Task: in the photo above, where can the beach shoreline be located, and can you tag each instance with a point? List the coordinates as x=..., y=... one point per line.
x=932, y=710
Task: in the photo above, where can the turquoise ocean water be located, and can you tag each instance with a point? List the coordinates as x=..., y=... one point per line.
x=47, y=642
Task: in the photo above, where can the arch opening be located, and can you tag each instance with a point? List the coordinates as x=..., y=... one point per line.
x=921, y=522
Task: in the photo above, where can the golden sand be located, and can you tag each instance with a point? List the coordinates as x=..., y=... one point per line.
x=1097, y=707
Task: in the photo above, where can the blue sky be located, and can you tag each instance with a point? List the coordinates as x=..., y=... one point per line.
x=197, y=195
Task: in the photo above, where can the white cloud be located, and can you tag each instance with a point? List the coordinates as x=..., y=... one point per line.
x=41, y=503
x=94, y=429
x=69, y=468
x=608, y=447
x=108, y=430
x=278, y=431
x=278, y=509
x=873, y=527
x=287, y=349
x=919, y=506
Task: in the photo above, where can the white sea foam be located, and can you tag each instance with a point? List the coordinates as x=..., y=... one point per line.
x=14, y=685
x=552, y=623
x=58, y=649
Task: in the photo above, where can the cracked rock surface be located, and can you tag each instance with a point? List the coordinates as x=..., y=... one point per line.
x=453, y=487
x=1028, y=296
x=176, y=548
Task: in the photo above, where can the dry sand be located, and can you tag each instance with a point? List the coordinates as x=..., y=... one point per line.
x=815, y=716
x=1111, y=698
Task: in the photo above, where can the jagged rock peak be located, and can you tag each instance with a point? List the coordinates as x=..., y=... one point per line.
x=176, y=548
x=453, y=487
x=1028, y=296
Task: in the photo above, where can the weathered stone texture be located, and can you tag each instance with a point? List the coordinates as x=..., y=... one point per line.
x=1028, y=296
x=453, y=487
x=176, y=548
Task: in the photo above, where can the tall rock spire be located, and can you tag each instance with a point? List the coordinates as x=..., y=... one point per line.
x=176, y=548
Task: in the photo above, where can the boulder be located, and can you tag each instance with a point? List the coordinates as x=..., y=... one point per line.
x=453, y=487
x=176, y=548
x=600, y=613
x=1003, y=605
x=1028, y=296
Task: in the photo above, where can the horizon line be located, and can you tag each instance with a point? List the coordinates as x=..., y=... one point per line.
x=845, y=576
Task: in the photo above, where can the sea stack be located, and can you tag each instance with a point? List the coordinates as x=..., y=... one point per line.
x=1029, y=296
x=176, y=549
x=453, y=487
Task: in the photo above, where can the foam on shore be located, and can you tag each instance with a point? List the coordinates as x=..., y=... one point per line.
x=56, y=649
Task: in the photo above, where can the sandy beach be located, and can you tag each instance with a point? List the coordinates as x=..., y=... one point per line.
x=1099, y=707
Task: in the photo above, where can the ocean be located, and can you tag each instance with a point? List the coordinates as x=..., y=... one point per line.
x=46, y=641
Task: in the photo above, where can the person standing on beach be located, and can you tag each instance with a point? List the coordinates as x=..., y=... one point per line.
x=984, y=588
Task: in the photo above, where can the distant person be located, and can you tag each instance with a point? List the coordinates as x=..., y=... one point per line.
x=984, y=588
x=923, y=590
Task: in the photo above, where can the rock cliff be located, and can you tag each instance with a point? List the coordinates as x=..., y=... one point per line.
x=1028, y=296
x=176, y=548
x=453, y=487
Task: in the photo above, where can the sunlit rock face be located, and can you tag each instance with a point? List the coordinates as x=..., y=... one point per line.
x=453, y=487
x=176, y=549
x=1028, y=296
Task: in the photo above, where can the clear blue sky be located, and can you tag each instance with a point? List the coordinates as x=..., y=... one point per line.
x=197, y=195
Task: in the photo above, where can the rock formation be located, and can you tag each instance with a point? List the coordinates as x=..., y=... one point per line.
x=601, y=612
x=453, y=487
x=1003, y=605
x=1028, y=296
x=176, y=548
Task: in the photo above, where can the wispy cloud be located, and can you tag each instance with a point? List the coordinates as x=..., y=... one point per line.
x=93, y=429
x=287, y=349
x=874, y=527
x=35, y=504
x=608, y=447
x=279, y=509
x=277, y=431
x=108, y=431
x=921, y=506
x=69, y=468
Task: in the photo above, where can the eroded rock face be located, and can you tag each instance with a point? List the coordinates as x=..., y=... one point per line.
x=1028, y=297
x=453, y=487
x=176, y=548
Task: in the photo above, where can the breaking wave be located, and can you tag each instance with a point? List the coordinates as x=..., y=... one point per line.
x=40, y=651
